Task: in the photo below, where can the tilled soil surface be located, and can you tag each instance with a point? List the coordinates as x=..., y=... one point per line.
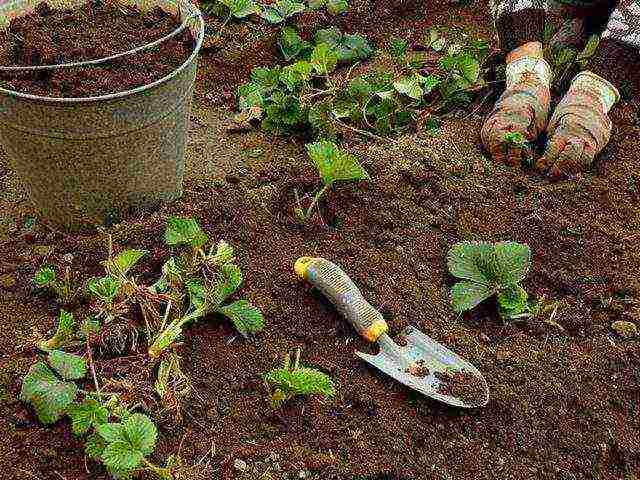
x=563, y=395
x=91, y=32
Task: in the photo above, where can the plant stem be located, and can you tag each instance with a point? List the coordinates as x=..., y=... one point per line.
x=93, y=371
x=364, y=132
x=316, y=199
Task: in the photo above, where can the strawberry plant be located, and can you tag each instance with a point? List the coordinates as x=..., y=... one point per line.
x=208, y=277
x=333, y=165
x=291, y=380
x=486, y=270
x=121, y=446
x=62, y=287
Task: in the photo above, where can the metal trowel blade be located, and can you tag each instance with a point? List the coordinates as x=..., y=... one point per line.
x=395, y=361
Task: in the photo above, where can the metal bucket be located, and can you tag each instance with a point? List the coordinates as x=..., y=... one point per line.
x=85, y=159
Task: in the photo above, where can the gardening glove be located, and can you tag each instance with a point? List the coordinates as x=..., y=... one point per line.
x=521, y=112
x=580, y=126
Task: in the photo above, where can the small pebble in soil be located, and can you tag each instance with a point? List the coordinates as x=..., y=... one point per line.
x=240, y=465
x=625, y=329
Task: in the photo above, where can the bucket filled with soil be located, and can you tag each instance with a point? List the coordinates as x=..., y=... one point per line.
x=94, y=103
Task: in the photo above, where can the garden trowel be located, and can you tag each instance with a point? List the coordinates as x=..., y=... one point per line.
x=420, y=364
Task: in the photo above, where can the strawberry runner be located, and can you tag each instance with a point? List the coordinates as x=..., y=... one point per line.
x=580, y=126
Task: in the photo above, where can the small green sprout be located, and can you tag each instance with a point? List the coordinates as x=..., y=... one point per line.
x=515, y=139
x=292, y=380
x=46, y=279
x=333, y=165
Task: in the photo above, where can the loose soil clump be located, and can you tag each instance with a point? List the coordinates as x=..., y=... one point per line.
x=462, y=385
x=93, y=31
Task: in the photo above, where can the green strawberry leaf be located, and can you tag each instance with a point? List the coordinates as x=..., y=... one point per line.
x=241, y=8
x=184, y=231
x=89, y=413
x=197, y=294
x=124, y=261
x=296, y=75
x=467, y=260
x=291, y=44
x=513, y=300
x=333, y=164
x=410, y=86
x=466, y=295
x=398, y=47
x=513, y=261
x=280, y=10
x=49, y=396
x=94, y=446
x=323, y=59
x=65, y=332
x=120, y=456
x=244, y=316
x=112, y=432
x=141, y=432
x=301, y=381
x=348, y=48
x=337, y=7
x=44, y=277
x=104, y=288
x=69, y=366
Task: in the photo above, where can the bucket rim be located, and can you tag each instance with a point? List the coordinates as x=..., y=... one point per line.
x=125, y=93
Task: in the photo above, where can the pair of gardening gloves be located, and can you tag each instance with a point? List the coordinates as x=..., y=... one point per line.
x=578, y=130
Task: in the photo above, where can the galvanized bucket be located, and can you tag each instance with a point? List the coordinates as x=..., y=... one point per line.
x=83, y=160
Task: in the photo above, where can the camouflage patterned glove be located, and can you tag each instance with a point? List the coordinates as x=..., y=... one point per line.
x=521, y=112
x=580, y=126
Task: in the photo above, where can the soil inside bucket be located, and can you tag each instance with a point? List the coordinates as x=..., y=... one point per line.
x=92, y=31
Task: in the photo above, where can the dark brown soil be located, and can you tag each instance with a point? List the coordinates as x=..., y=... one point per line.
x=462, y=385
x=564, y=401
x=94, y=31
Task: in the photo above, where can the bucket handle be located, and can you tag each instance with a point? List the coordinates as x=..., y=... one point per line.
x=31, y=68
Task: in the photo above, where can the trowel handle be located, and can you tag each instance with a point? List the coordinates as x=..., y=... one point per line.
x=343, y=293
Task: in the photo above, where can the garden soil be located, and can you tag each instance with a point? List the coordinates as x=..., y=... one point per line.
x=93, y=31
x=564, y=393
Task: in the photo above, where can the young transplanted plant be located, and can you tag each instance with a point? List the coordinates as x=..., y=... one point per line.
x=46, y=278
x=291, y=380
x=489, y=269
x=333, y=165
x=122, y=446
x=208, y=276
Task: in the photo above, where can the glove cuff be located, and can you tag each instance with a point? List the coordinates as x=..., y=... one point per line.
x=604, y=90
x=528, y=66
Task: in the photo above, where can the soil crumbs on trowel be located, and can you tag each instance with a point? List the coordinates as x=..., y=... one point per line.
x=563, y=394
x=93, y=31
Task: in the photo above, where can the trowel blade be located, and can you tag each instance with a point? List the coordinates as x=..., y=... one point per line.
x=395, y=361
